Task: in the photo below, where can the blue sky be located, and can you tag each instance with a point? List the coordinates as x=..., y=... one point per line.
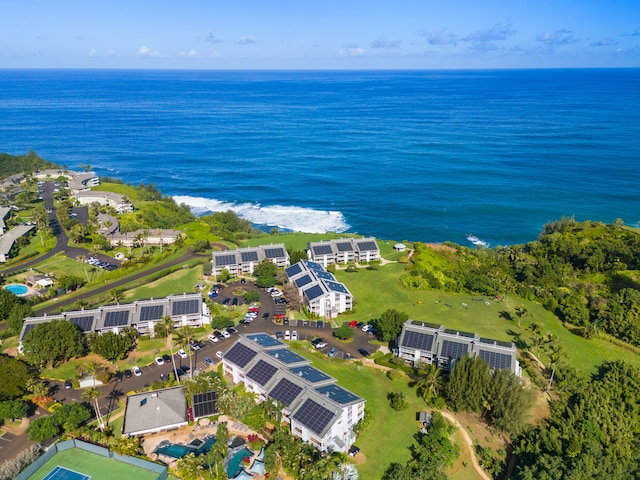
x=328, y=34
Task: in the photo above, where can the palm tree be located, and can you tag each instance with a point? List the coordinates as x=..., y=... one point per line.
x=429, y=381
x=520, y=312
x=184, y=337
x=556, y=354
x=346, y=471
x=536, y=335
x=91, y=394
x=166, y=327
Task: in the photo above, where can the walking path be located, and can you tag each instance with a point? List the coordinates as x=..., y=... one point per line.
x=468, y=443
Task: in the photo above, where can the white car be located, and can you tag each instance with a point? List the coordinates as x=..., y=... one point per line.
x=287, y=335
x=225, y=334
x=182, y=353
x=159, y=361
x=219, y=354
x=294, y=335
x=213, y=338
x=136, y=370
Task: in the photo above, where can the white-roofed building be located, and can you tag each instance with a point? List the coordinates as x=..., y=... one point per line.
x=319, y=410
x=245, y=260
x=115, y=200
x=344, y=250
x=319, y=290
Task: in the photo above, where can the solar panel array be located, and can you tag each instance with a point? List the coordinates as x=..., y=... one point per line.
x=117, y=318
x=204, y=404
x=325, y=275
x=285, y=391
x=274, y=252
x=286, y=356
x=336, y=287
x=459, y=333
x=310, y=374
x=229, y=259
x=251, y=256
x=84, y=323
x=153, y=312
x=302, y=281
x=497, y=361
x=453, y=349
x=293, y=270
x=185, y=307
x=367, y=246
x=314, y=292
x=264, y=340
x=344, y=246
x=322, y=250
x=262, y=372
x=313, y=416
x=314, y=266
x=417, y=340
x=338, y=394
x=240, y=355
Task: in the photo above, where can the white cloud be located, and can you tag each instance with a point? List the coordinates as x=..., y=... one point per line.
x=212, y=38
x=191, y=53
x=145, y=51
x=441, y=37
x=244, y=40
x=352, y=52
x=557, y=37
x=94, y=53
x=604, y=42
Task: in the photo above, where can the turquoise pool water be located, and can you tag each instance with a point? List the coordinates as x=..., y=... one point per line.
x=177, y=450
x=233, y=468
x=17, y=289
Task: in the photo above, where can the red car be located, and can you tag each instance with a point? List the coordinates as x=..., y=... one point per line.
x=353, y=323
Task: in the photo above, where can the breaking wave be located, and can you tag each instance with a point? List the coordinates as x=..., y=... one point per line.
x=296, y=219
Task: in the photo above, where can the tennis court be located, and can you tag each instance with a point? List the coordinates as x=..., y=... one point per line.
x=83, y=465
x=61, y=473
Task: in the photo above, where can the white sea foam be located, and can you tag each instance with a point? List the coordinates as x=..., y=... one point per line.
x=476, y=241
x=297, y=219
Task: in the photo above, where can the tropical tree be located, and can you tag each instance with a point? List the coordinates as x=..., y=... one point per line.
x=521, y=311
x=346, y=471
x=429, y=381
x=165, y=328
x=537, y=339
x=91, y=394
x=183, y=337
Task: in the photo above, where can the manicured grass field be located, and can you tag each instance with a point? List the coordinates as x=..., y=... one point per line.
x=96, y=466
x=180, y=281
x=390, y=434
x=378, y=290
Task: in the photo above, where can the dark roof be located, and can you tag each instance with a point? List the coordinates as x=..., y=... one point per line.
x=204, y=404
x=417, y=340
x=304, y=280
x=250, y=256
x=310, y=374
x=367, y=245
x=313, y=416
x=338, y=394
x=293, y=269
x=314, y=292
x=322, y=249
x=227, y=259
x=453, y=350
x=262, y=372
x=285, y=391
x=274, y=252
x=240, y=354
x=496, y=360
x=185, y=307
x=345, y=246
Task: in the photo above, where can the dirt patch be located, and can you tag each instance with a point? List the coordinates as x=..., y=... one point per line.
x=481, y=433
x=440, y=248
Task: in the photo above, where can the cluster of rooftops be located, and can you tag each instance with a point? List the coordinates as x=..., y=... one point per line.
x=185, y=309
x=428, y=343
x=319, y=410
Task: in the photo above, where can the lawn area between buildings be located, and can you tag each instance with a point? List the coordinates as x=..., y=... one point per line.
x=378, y=290
x=388, y=438
x=180, y=281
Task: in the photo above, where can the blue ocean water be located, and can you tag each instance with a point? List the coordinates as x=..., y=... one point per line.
x=428, y=156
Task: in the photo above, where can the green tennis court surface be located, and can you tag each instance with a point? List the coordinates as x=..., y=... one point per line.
x=61, y=473
x=83, y=465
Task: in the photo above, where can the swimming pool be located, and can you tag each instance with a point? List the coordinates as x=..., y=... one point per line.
x=177, y=450
x=17, y=289
x=233, y=467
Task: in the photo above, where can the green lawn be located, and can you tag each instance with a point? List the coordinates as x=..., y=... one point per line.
x=93, y=465
x=379, y=290
x=180, y=281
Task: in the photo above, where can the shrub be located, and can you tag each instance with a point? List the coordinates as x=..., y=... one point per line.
x=395, y=374
x=344, y=332
x=398, y=401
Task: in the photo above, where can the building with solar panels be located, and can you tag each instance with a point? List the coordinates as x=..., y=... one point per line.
x=344, y=250
x=319, y=290
x=245, y=260
x=428, y=343
x=185, y=309
x=319, y=410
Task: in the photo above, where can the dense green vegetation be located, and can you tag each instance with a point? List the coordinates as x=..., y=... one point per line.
x=31, y=162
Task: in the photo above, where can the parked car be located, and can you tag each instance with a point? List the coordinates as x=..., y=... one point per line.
x=353, y=451
x=159, y=361
x=332, y=352
x=232, y=330
x=287, y=335
x=265, y=315
x=67, y=384
x=166, y=358
x=218, y=334
x=226, y=301
x=213, y=338
x=136, y=370
x=294, y=335
x=225, y=334
x=279, y=335
x=234, y=302
x=208, y=361
x=219, y=354
x=194, y=346
x=367, y=327
x=127, y=373
x=360, y=324
x=319, y=343
x=364, y=352
x=182, y=353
